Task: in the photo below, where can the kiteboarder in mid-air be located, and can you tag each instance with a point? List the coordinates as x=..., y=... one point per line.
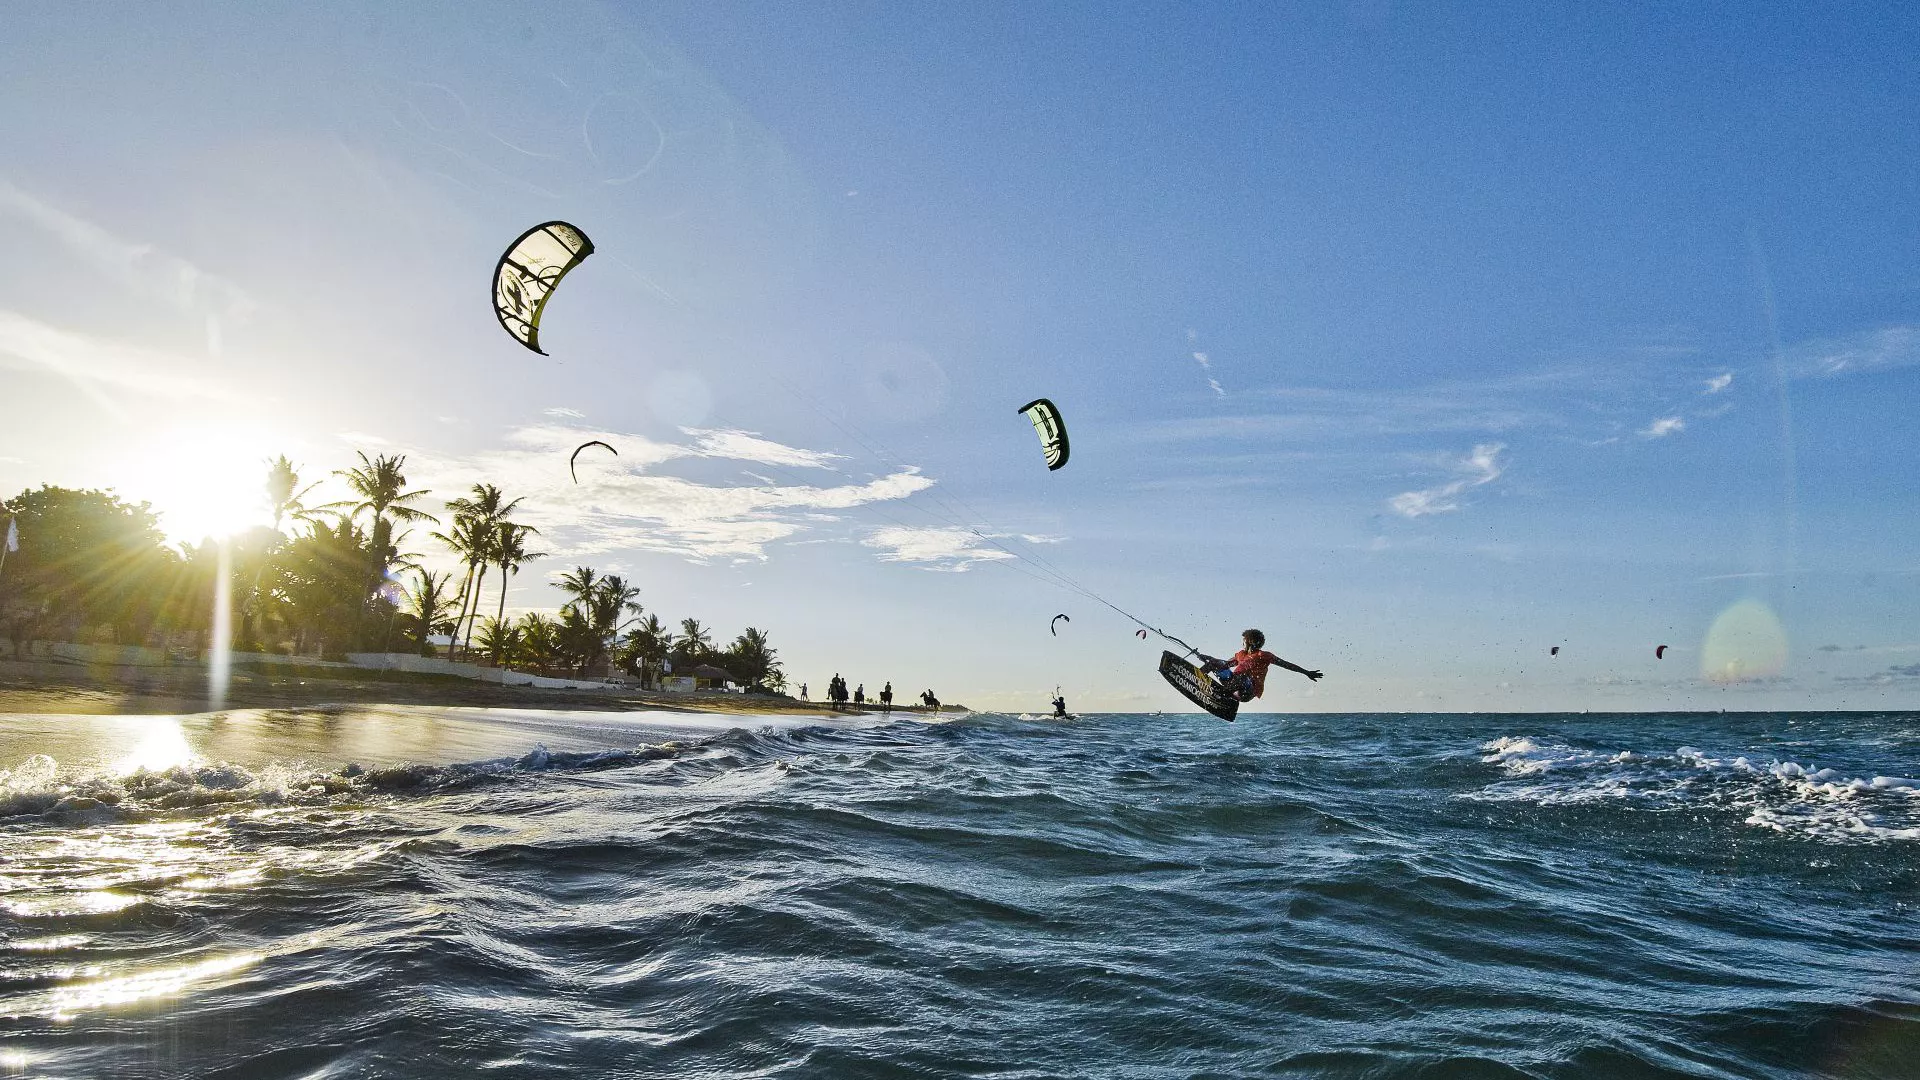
x=1245, y=676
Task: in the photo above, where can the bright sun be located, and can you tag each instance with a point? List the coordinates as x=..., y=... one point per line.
x=203, y=482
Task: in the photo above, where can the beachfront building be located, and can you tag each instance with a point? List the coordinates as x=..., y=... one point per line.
x=699, y=677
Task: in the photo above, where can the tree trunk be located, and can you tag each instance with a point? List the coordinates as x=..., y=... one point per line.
x=460, y=618
x=479, y=590
x=501, y=613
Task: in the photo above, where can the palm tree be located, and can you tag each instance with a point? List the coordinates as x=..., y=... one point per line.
x=284, y=491
x=539, y=639
x=579, y=583
x=646, y=646
x=504, y=641
x=381, y=487
x=285, y=495
x=510, y=554
x=753, y=659
x=470, y=540
x=319, y=575
x=611, y=598
x=428, y=604
x=489, y=535
x=486, y=511
x=693, y=645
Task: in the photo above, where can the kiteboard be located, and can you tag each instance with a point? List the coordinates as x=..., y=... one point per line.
x=1194, y=685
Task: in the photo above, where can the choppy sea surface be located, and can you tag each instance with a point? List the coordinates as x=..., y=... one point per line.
x=361, y=892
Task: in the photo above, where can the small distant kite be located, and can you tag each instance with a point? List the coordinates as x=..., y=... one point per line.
x=1660, y=653
x=528, y=273
x=1141, y=634
x=1555, y=651
x=576, y=454
x=1054, y=626
x=1051, y=429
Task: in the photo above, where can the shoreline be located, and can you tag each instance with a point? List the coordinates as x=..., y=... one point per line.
x=81, y=690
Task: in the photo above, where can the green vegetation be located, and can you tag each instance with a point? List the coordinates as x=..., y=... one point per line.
x=333, y=579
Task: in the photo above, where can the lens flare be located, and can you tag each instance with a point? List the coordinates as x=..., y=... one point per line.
x=1745, y=643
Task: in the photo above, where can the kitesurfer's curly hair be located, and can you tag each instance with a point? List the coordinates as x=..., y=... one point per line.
x=1255, y=638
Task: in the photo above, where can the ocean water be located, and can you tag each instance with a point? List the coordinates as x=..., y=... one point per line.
x=414, y=892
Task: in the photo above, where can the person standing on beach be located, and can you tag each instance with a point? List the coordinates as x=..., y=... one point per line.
x=803, y=691
x=886, y=699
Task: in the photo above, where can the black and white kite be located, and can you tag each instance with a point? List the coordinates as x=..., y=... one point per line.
x=1051, y=429
x=528, y=273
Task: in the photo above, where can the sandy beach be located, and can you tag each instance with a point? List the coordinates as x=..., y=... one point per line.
x=38, y=687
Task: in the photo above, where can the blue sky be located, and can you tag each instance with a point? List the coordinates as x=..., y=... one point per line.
x=1426, y=339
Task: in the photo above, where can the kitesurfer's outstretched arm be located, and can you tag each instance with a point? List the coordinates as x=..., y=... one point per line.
x=1291, y=666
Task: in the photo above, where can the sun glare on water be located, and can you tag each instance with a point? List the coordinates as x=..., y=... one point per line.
x=202, y=481
x=163, y=746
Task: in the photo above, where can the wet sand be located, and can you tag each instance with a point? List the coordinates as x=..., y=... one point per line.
x=35, y=687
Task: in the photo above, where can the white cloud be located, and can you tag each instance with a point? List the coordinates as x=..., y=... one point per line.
x=749, y=446
x=1663, y=427
x=1205, y=361
x=1719, y=382
x=1870, y=350
x=948, y=549
x=96, y=365
x=625, y=503
x=1316, y=415
x=1483, y=466
x=138, y=266
x=561, y=412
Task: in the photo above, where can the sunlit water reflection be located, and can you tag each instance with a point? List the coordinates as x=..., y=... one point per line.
x=440, y=892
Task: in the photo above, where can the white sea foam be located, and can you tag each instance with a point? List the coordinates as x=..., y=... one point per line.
x=1797, y=798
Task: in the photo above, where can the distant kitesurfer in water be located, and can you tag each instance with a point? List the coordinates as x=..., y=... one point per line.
x=1059, y=704
x=1245, y=676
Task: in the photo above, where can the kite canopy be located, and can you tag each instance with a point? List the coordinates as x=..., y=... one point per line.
x=576, y=454
x=1054, y=626
x=528, y=273
x=1660, y=653
x=1052, y=430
